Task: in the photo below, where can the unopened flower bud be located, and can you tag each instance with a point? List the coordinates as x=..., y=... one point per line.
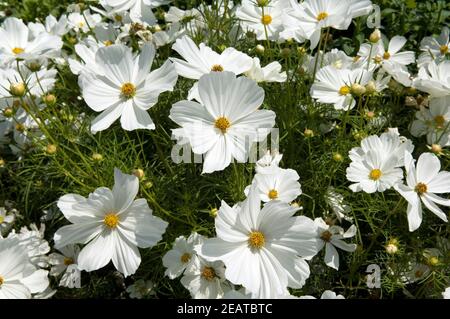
x=436, y=148
x=34, y=66
x=97, y=157
x=139, y=173
x=375, y=36
x=358, y=89
x=370, y=114
x=308, y=133
x=285, y=53
x=262, y=3
x=433, y=261
x=337, y=157
x=50, y=99
x=17, y=89
x=51, y=149
x=213, y=212
x=8, y=112
x=260, y=49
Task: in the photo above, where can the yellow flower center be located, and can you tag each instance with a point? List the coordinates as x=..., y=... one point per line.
x=375, y=174
x=322, y=16
x=256, y=240
x=1, y=281
x=266, y=19
x=326, y=236
x=386, y=55
x=80, y=24
x=217, y=68
x=378, y=59
x=68, y=261
x=118, y=18
x=208, y=273
x=273, y=194
x=222, y=123
x=344, y=90
x=111, y=220
x=2, y=219
x=421, y=188
x=128, y=90
x=17, y=50
x=444, y=49
x=433, y=261
x=185, y=258
x=356, y=58
x=440, y=121
x=107, y=43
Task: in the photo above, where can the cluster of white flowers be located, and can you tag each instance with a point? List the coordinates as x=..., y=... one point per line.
x=262, y=246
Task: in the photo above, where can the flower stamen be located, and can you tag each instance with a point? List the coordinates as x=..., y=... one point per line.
x=256, y=240
x=208, y=273
x=111, y=220
x=421, y=188
x=375, y=174
x=128, y=90
x=222, y=123
x=322, y=16
x=185, y=258
x=266, y=19
x=273, y=194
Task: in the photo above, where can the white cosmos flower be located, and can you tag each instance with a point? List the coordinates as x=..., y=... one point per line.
x=36, y=246
x=389, y=144
x=66, y=264
x=308, y=18
x=270, y=73
x=265, y=21
x=19, y=278
x=374, y=165
x=200, y=60
x=433, y=79
x=434, y=122
x=390, y=59
x=277, y=183
x=17, y=42
x=334, y=86
x=261, y=247
x=204, y=279
x=126, y=88
x=52, y=26
x=434, y=49
x=140, y=10
x=423, y=182
x=84, y=21
x=335, y=58
x=111, y=224
x=228, y=121
x=332, y=237
x=140, y=289
x=337, y=205
x=181, y=255
x=446, y=293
